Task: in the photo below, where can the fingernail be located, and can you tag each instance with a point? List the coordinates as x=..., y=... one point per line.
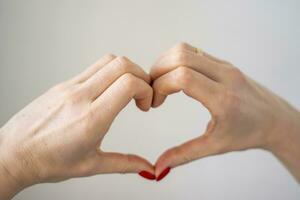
x=163, y=174
x=147, y=175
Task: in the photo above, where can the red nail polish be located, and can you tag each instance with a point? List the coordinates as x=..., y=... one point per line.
x=163, y=174
x=147, y=175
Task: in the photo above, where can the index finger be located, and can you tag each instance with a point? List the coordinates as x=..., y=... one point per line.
x=187, y=56
x=119, y=94
x=192, y=83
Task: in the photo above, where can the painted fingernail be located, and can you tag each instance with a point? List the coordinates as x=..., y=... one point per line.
x=147, y=175
x=163, y=174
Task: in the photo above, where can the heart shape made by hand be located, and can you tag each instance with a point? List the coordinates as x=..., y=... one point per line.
x=65, y=126
x=229, y=95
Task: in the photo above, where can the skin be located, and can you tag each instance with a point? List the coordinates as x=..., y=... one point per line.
x=244, y=114
x=58, y=135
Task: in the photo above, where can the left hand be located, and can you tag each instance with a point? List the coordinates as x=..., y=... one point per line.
x=58, y=135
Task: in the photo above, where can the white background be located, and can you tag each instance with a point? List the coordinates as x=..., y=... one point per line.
x=45, y=42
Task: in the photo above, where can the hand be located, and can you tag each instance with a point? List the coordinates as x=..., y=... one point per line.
x=244, y=114
x=58, y=135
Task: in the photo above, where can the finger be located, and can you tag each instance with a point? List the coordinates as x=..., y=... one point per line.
x=187, y=58
x=101, y=80
x=192, y=83
x=218, y=60
x=188, y=47
x=109, y=162
x=119, y=94
x=194, y=149
x=178, y=47
x=185, y=46
x=158, y=99
x=181, y=46
x=93, y=69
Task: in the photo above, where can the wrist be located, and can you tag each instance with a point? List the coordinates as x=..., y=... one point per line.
x=285, y=144
x=285, y=134
x=13, y=177
x=9, y=186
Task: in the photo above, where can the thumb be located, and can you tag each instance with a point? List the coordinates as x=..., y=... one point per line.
x=189, y=151
x=110, y=162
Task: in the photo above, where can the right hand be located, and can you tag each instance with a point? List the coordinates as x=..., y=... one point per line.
x=244, y=114
x=58, y=135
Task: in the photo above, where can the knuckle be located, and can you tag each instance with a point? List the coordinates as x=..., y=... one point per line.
x=128, y=80
x=126, y=68
x=123, y=169
x=180, y=57
x=236, y=75
x=123, y=64
x=122, y=60
x=126, y=167
x=109, y=56
x=181, y=46
x=183, y=76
